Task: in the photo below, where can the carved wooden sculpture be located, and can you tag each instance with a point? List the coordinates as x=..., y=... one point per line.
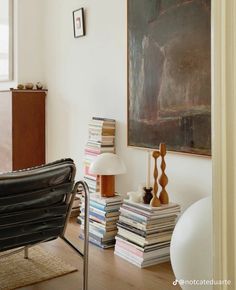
x=155, y=202
x=148, y=195
x=163, y=179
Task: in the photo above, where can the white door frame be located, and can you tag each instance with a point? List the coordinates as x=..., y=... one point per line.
x=224, y=139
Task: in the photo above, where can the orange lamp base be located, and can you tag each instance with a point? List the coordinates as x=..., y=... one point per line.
x=107, y=185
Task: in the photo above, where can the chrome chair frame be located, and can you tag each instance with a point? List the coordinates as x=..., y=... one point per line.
x=85, y=253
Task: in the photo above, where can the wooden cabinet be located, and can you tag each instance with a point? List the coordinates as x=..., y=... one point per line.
x=22, y=129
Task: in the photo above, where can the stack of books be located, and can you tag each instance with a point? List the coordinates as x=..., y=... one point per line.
x=101, y=140
x=103, y=217
x=75, y=211
x=144, y=233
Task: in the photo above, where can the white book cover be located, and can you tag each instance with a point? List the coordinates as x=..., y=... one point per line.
x=149, y=208
x=105, y=200
x=144, y=264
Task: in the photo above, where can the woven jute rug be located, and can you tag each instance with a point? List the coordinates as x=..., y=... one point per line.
x=16, y=272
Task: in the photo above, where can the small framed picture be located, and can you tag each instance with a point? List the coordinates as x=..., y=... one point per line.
x=78, y=21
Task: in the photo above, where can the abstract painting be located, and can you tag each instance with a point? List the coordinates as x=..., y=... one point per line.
x=169, y=74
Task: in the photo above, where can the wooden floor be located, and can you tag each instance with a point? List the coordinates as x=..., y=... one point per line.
x=106, y=271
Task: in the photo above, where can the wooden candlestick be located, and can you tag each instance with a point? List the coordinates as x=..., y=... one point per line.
x=148, y=170
x=163, y=179
x=155, y=202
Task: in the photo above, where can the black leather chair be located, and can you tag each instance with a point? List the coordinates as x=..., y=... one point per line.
x=35, y=206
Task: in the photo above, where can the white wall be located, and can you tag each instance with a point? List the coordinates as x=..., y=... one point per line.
x=30, y=39
x=13, y=82
x=28, y=43
x=88, y=77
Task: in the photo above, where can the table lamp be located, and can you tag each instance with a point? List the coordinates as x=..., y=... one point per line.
x=107, y=165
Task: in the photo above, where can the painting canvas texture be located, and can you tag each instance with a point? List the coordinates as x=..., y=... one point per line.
x=169, y=74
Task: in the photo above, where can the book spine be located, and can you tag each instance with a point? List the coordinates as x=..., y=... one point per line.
x=104, y=119
x=97, y=205
x=87, y=172
x=128, y=248
x=132, y=215
x=98, y=216
x=95, y=211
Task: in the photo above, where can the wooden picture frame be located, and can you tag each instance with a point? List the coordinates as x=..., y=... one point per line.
x=78, y=23
x=169, y=52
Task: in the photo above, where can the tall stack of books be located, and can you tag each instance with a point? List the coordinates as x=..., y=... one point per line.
x=144, y=233
x=103, y=217
x=101, y=140
x=75, y=211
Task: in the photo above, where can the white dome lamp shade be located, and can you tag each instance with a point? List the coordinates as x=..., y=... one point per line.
x=107, y=165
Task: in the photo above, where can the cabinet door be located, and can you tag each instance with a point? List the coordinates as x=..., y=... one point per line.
x=5, y=132
x=28, y=109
